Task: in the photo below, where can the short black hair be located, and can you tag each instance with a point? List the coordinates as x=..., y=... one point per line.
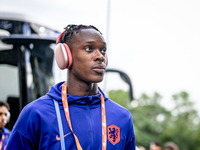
x=157, y=143
x=70, y=29
x=2, y=103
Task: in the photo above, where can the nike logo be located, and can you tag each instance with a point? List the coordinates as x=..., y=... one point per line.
x=58, y=138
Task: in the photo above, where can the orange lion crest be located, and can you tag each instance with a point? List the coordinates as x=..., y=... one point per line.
x=113, y=134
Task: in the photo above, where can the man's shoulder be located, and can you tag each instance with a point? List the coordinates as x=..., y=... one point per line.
x=37, y=105
x=38, y=102
x=6, y=131
x=115, y=106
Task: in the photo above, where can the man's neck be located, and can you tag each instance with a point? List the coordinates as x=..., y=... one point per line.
x=81, y=88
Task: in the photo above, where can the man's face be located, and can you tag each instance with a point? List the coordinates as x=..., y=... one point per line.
x=158, y=148
x=89, y=56
x=3, y=116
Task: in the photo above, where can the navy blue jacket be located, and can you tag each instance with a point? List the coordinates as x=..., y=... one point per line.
x=37, y=126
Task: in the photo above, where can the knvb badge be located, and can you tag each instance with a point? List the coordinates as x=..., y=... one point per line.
x=113, y=134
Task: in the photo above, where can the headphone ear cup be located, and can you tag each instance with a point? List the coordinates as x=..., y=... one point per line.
x=69, y=55
x=8, y=116
x=63, y=56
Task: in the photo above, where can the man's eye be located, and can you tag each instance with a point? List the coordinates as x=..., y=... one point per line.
x=88, y=48
x=103, y=50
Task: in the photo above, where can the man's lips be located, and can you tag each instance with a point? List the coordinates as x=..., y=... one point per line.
x=99, y=68
x=2, y=123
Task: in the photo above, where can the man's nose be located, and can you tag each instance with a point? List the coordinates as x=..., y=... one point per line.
x=99, y=55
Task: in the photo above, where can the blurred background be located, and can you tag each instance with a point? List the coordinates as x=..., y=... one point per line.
x=156, y=43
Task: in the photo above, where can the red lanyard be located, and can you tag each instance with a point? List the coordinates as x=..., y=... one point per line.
x=1, y=143
x=103, y=116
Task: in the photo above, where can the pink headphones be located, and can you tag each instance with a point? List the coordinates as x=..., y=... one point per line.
x=62, y=54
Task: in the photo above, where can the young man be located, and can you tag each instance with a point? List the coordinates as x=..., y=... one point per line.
x=4, y=132
x=75, y=114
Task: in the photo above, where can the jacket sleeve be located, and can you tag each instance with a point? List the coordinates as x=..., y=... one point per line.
x=130, y=145
x=18, y=142
x=24, y=133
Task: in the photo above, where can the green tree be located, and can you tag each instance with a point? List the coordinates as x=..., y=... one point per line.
x=152, y=121
x=184, y=124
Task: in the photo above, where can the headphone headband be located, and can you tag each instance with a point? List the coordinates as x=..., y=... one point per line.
x=58, y=39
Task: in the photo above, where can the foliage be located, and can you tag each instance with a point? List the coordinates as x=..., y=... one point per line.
x=152, y=121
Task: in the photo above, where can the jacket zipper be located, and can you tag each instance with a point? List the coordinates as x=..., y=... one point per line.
x=92, y=133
